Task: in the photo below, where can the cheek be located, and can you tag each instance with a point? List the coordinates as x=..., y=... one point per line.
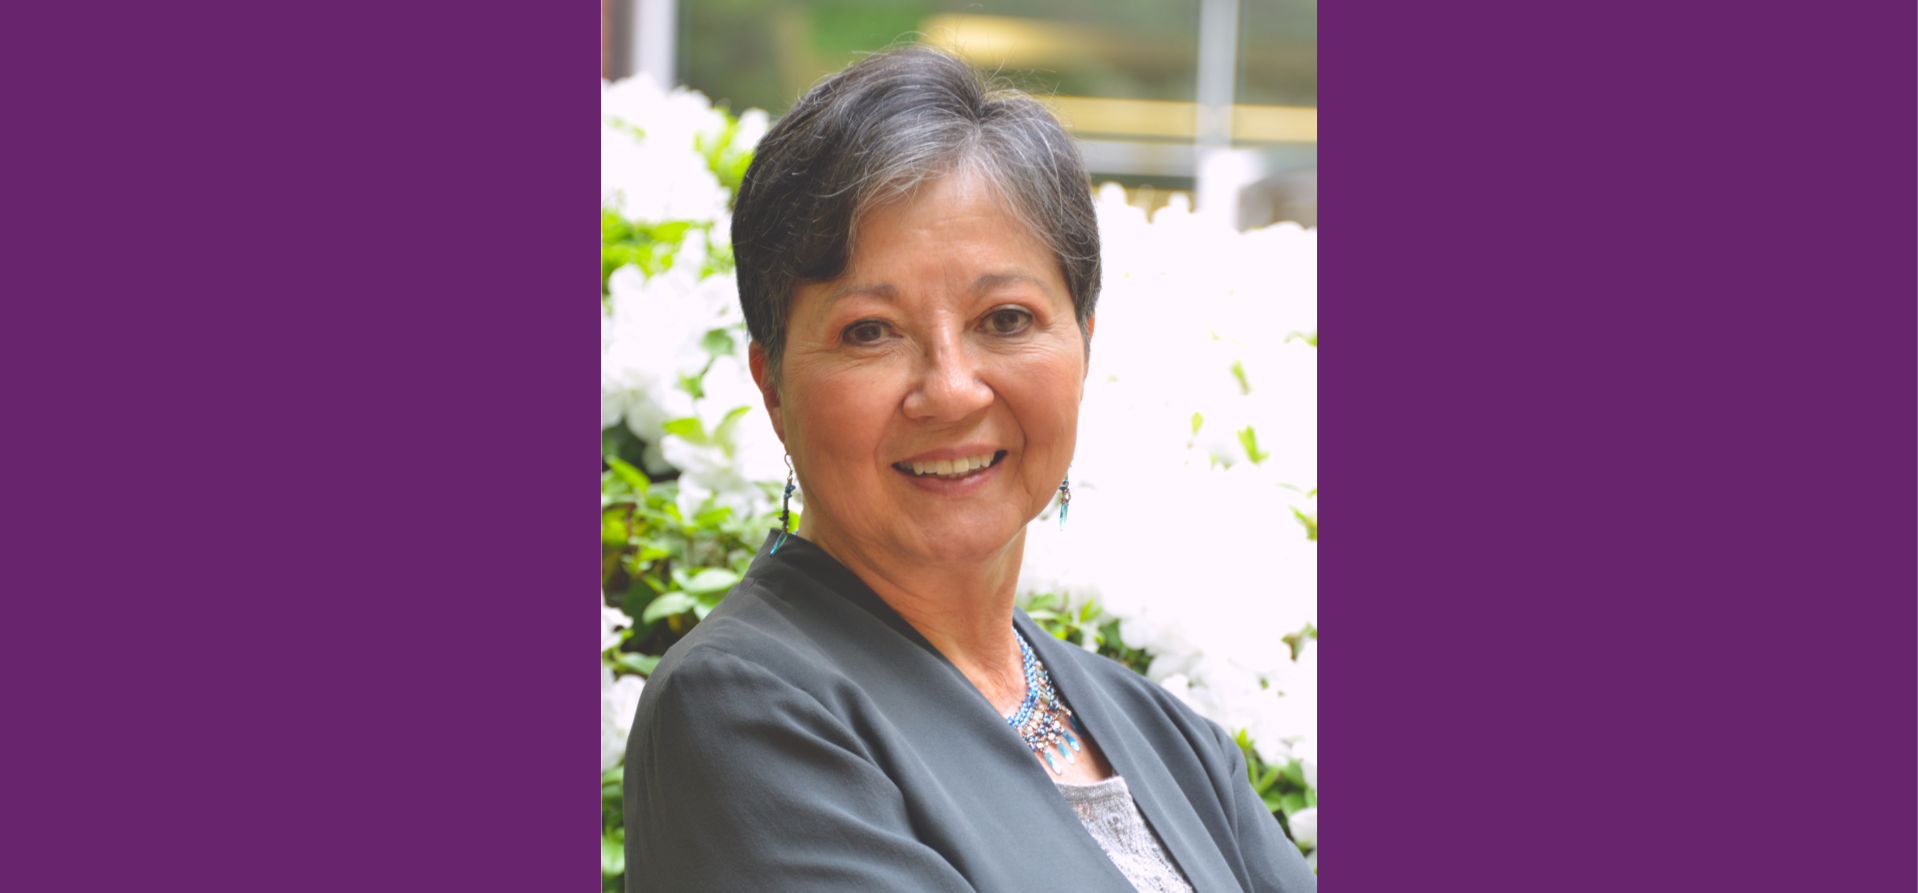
x=1047, y=397
x=837, y=419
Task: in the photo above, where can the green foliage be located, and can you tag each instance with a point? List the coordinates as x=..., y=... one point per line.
x=651, y=246
x=665, y=570
x=727, y=161
x=612, y=830
x=1249, y=439
x=1084, y=623
x=1281, y=787
x=654, y=246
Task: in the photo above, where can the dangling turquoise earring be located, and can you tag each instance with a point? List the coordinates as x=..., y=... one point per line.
x=785, y=509
x=1065, y=498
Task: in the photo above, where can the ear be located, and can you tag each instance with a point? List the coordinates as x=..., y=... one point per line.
x=762, y=377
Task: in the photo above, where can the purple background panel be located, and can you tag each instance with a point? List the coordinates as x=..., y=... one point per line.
x=1621, y=421
x=299, y=314
x=1619, y=432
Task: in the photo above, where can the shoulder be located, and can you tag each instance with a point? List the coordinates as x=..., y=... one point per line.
x=751, y=646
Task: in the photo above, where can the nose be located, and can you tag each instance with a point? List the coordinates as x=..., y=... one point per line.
x=948, y=385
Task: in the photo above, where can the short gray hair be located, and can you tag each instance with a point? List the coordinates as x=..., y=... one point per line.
x=873, y=133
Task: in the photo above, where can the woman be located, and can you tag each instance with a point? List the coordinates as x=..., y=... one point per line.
x=918, y=264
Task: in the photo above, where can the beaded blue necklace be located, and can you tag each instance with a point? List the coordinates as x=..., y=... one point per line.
x=1042, y=720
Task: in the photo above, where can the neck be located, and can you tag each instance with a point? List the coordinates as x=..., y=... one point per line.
x=963, y=608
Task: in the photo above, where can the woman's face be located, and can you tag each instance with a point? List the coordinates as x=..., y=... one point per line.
x=949, y=344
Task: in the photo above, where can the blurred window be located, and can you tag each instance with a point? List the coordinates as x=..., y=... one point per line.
x=1124, y=76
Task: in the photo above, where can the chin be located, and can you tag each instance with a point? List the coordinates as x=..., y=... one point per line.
x=961, y=540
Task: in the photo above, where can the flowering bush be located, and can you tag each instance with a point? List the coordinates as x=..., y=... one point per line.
x=1191, y=552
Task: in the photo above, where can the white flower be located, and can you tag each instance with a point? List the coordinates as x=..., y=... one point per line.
x=656, y=340
x=661, y=175
x=611, y=621
x=753, y=124
x=1305, y=827
x=1307, y=753
x=618, y=702
x=1196, y=327
x=1179, y=686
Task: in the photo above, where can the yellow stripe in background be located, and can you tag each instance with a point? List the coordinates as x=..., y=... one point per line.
x=1178, y=120
x=999, y=42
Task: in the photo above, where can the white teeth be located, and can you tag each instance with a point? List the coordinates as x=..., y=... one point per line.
x=951, y=468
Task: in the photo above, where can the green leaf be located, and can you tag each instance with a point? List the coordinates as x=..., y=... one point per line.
x=1291, y=802
x=1238, y=373
x=712, y=579
x=1264, y=782
x=718, y=343
x=1311, y=797
x=642, y=664
x=1249, y=439
x=1311, y=523
x=612, y=528
x=694, y=385
x=667, y=605
x=701, y=609
x=1197, y=420
x=612, y=852
x=723, y=435
x=689, y=430
x=629, y=473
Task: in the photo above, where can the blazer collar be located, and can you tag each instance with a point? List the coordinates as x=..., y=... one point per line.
x=1160, y=796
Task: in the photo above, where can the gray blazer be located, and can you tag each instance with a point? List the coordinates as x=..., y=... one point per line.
x=805, y=737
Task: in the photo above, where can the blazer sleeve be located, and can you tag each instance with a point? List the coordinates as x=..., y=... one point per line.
x=739, y=780
x=1272, y=863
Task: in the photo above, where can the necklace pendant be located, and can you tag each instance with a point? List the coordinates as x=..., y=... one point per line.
x=1042, y=720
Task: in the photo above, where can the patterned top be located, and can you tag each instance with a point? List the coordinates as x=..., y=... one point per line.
x=1107, y=810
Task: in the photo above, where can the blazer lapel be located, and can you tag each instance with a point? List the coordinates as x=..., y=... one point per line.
x=1128, y=746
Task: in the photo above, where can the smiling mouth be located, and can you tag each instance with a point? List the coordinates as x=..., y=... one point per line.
x=951, y=469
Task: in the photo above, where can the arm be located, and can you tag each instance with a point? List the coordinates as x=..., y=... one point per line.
x=739, y=780
x=1271, y=861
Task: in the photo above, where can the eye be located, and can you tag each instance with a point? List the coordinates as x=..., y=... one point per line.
x=1007, y=321
x=865, y=331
